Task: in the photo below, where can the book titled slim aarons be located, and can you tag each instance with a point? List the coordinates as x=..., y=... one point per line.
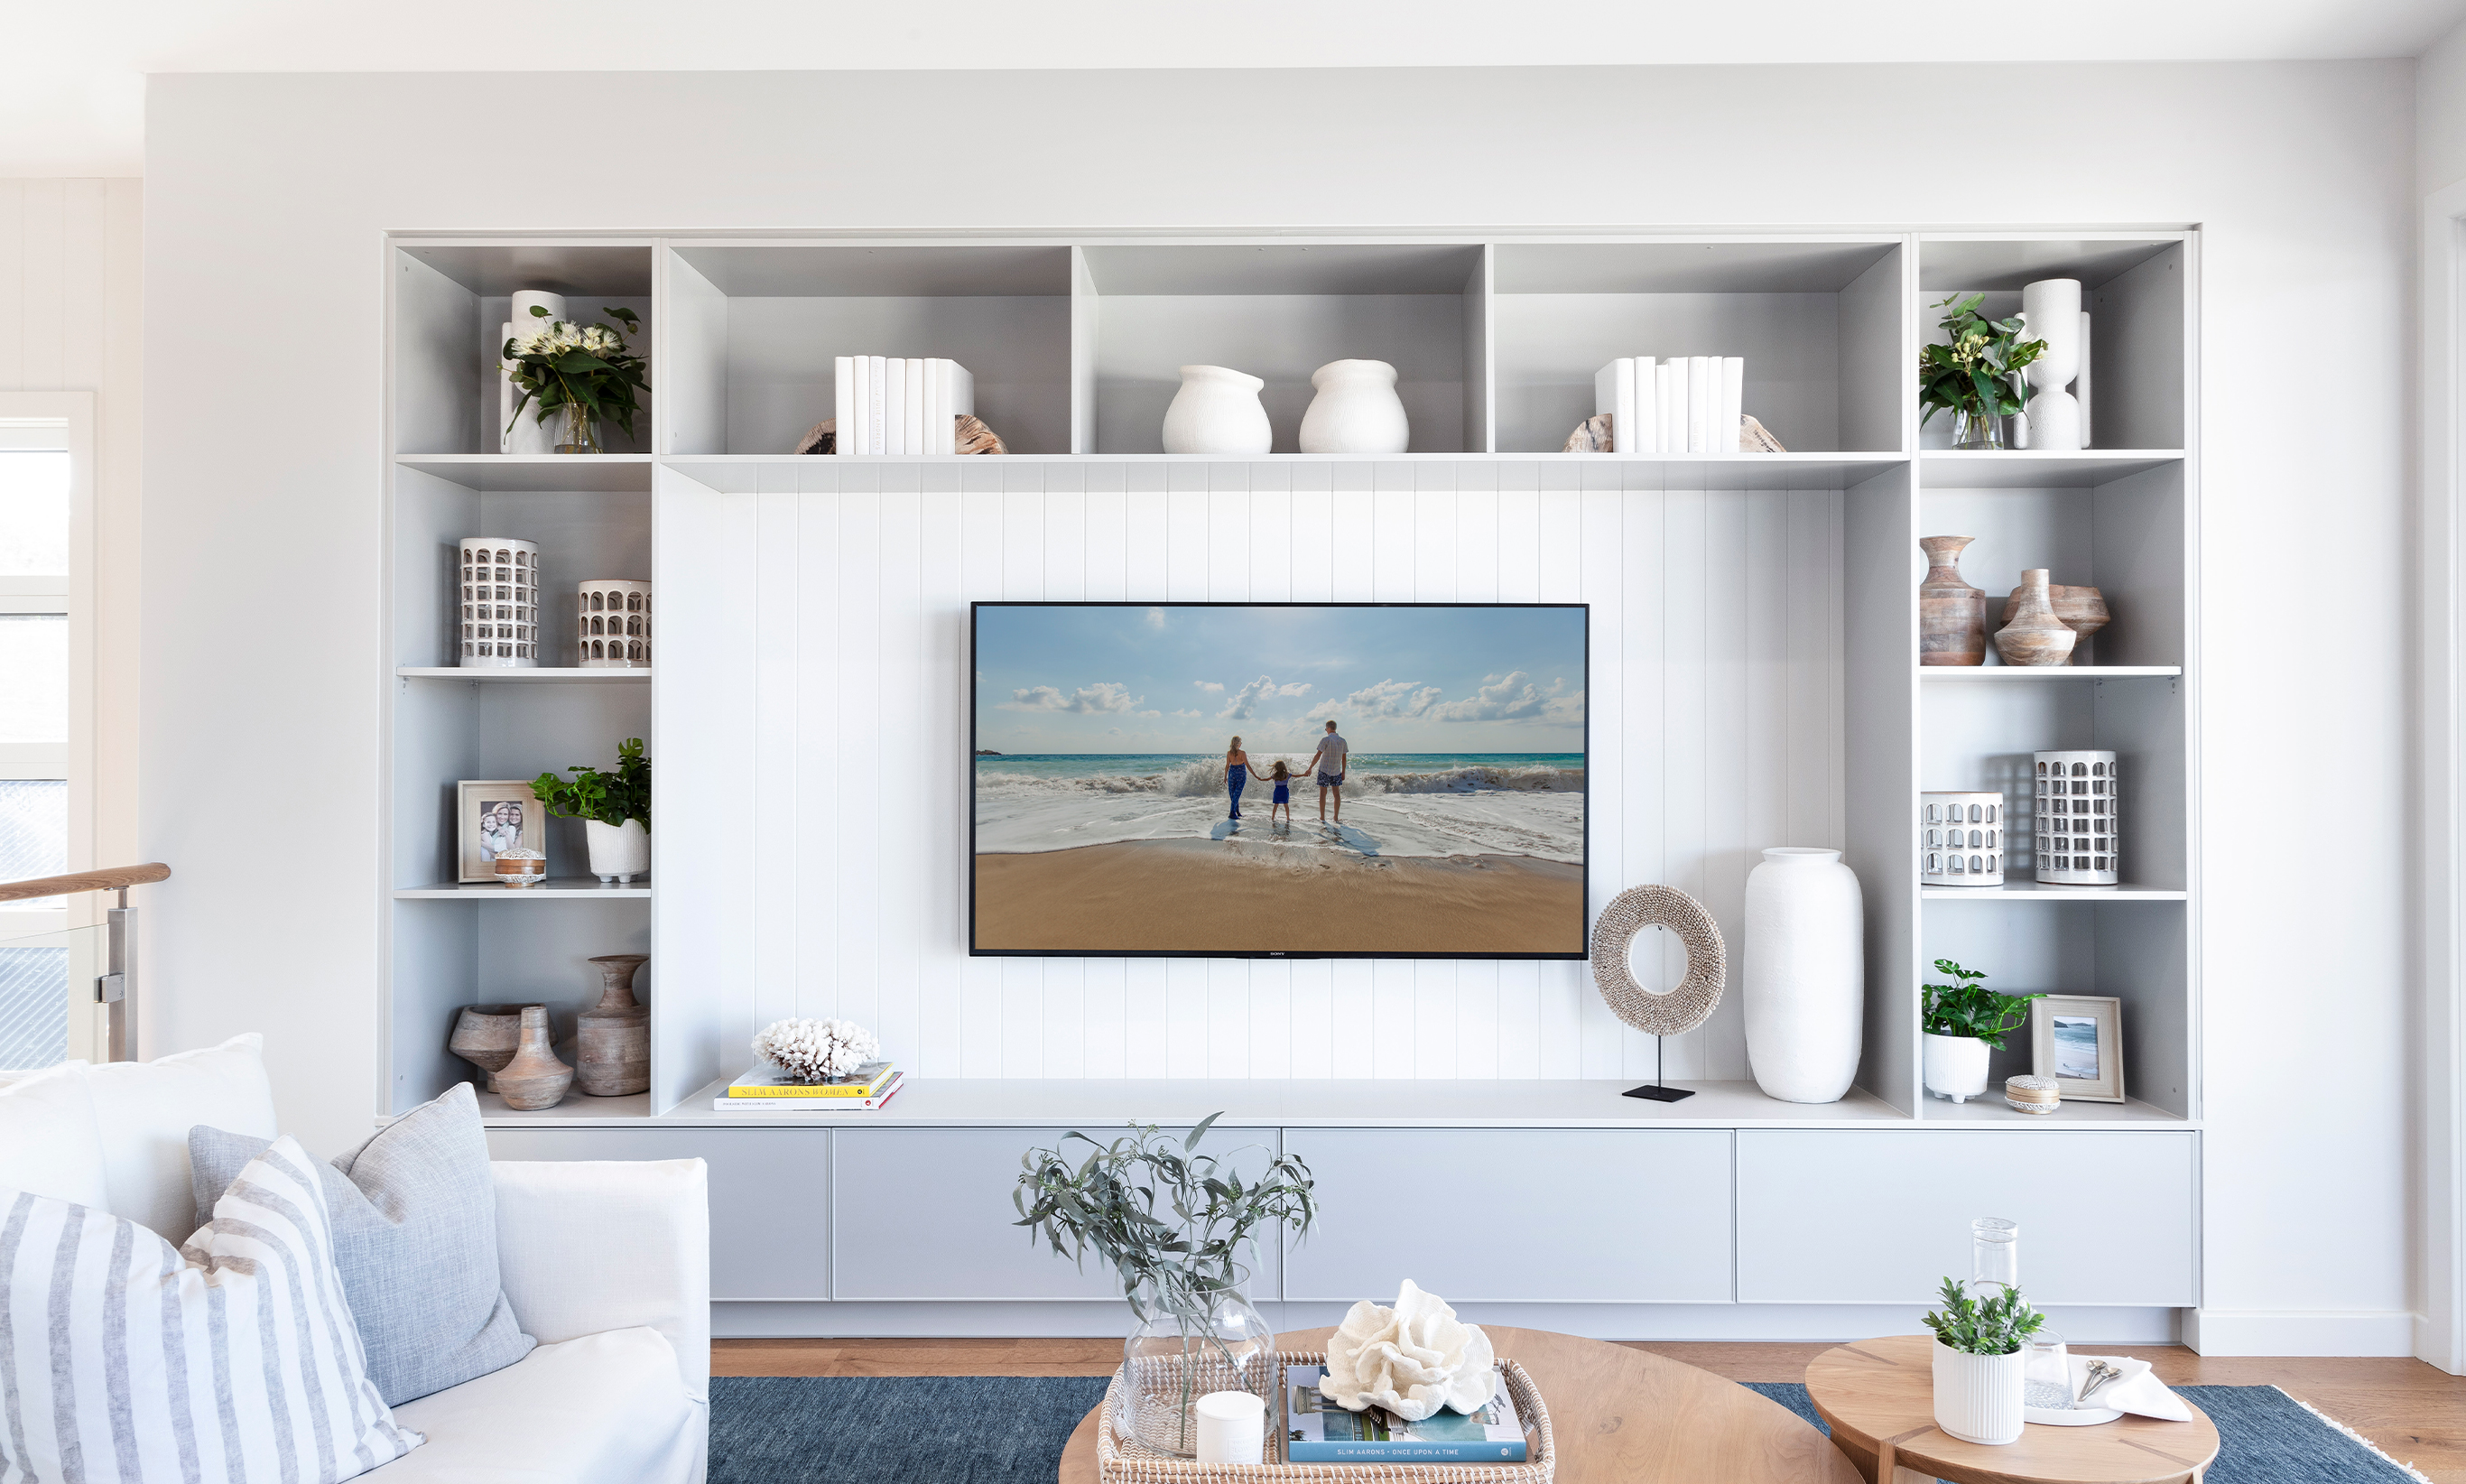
x=1317, y=1430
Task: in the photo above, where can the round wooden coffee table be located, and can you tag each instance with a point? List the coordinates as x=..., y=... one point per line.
x=1879, y=1397
x=1622, y=1416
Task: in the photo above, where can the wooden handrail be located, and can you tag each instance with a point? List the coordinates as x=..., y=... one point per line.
x=108, y=879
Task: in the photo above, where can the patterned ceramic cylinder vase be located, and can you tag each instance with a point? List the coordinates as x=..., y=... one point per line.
x=500, y=611
x=2078, y=834
x=1960, y=839
x=611, y=624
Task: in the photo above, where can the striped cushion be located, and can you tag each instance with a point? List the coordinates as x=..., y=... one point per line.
x=232, y=1360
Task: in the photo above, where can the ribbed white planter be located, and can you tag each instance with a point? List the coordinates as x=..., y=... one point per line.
x=1977, y=1397
x=1806, y=979
x=1955, y=1067
x=618, y=852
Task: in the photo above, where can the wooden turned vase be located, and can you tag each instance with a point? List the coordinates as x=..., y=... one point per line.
x=534, y=1079
x=1952, y=614
x=485, y=1035
x=2035, y=636
x=612, y=1048
x=2083, y=610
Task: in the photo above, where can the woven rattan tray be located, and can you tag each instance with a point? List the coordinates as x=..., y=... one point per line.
x=1136, y=1463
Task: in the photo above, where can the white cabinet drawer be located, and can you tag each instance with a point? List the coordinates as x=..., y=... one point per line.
x=1858, y=1217
x=1516, y=1215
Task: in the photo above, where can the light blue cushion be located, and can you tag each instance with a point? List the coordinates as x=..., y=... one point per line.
x=414, y=1238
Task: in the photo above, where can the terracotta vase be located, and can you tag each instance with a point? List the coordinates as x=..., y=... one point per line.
x=2083, y=610
x=485, y=1035
x=1952, y=614
x=534, y=1079
x=2035, y=636
x=611, y=1049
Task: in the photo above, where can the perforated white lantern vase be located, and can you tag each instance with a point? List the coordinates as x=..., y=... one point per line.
x=2079, y=829
x=500, y=584
x=611, y=624
x=1960, y=839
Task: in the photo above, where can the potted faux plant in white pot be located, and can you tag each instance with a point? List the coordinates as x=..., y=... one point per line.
x=1963, y=1022
x=1982, y=1347
x=615, y=809
x=1173, y=1226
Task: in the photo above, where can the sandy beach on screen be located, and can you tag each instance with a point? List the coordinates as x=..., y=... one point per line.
x=1243, y=896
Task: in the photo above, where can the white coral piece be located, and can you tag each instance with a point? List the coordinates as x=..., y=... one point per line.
x=1411, y=1359
x=816, y=1050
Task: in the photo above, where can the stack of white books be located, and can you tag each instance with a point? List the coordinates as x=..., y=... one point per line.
x=889, y=404
x=1688, y=404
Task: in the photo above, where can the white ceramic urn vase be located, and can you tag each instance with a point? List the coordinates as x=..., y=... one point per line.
x=1977, y=1397
x=1356, y=411
x=1955, y=1067
x=1217, y=411
x=618, y=852
x=1806, y=974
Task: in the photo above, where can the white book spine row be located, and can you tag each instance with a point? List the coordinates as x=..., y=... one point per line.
x=900, y=404
x=1684, y=405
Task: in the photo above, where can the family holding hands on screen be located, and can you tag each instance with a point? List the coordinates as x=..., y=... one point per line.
x=1327, y=764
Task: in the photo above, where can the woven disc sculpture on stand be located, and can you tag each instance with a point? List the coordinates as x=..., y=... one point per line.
x=1689, y=1002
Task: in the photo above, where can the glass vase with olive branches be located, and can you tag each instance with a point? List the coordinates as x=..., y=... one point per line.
x=1174, y=1224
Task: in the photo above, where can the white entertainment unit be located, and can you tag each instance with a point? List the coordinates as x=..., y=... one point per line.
x=1756, y=683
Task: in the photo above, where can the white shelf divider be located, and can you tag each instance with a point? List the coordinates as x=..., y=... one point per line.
x=2026, y=673
x=2037, y=891
x=539, y=674
x=556, y=888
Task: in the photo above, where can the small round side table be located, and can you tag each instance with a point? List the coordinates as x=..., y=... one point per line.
x=1879, y=1397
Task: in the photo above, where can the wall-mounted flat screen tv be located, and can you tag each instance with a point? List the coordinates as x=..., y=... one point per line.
x=1392, y=780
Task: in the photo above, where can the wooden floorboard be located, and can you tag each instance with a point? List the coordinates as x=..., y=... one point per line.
x=2414, y=1412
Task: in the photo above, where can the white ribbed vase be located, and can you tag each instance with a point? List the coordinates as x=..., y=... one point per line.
x=1977, y=1397
x=618, y=852
x=1806, y=976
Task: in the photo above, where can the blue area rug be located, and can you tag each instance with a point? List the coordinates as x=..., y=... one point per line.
x=1011, y=1429
x=2264, y=1437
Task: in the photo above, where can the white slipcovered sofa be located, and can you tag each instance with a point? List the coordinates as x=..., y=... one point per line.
x=607, y=1265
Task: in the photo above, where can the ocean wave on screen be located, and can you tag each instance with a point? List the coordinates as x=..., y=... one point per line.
x=1470, y=780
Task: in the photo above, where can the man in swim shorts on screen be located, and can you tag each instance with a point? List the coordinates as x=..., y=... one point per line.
x=1328, y=765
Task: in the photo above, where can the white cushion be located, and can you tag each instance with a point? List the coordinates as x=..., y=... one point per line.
x=49, y=1144
x=607, y=1409
x=231, y=1361
x=144, y=1109
x=592, y=1245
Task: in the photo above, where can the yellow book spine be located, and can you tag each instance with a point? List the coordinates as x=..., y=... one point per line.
x=790, y=1091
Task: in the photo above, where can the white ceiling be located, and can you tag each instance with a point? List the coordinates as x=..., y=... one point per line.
x=71, y=72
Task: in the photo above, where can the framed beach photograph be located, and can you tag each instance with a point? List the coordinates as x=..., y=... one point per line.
x=2078, y=1041
x=1393, y=780
x=492, y=815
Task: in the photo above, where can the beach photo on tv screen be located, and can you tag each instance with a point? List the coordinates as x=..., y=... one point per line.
x=1302, y=779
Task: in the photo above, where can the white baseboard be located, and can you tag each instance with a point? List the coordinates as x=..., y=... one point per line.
x=2440, y=1345
x=1827, y=1324
x=2300, y=1331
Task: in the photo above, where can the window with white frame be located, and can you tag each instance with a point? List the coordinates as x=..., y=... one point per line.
x=43, y=781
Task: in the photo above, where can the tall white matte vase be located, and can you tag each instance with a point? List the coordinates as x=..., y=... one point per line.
x=1977, y=1397
x=618, y=852
x=525, y=434
x=1356, y=411
x=1217, y=411
x=1806, y=979
x=2052, y=309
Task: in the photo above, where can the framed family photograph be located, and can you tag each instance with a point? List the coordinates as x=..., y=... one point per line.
x=492, y=815
x=2078, y=1041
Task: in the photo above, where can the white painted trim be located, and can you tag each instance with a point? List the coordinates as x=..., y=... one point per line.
x=2440, y=1281
x=2387, y=1332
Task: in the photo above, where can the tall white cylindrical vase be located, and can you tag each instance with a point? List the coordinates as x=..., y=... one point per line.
x=2078, y=836
x=1806, y=979
x=1217, y=411
x=1977, y=1397
x=526, y=434
x=499, y=608
x=2052, y=309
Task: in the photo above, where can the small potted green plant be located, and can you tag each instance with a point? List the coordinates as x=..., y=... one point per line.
x=1980, y=1352
x=1975, y=373
x=1173, y=1226
x=579, y=373
x=1964, y=1021
x=615, y=809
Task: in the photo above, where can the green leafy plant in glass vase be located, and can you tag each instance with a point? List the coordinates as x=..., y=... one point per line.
x=1174, y=1224
x=615, y=808
x=581, y=373
x=1964, y=1021
x=1975, y=373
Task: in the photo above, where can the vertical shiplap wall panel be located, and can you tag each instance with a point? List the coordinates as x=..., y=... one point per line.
x=1716, y=698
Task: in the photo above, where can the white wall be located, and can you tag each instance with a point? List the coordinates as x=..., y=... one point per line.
x=266, y=195
x=71, y=289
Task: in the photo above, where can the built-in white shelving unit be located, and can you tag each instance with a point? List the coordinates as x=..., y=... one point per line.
x=1075, y=340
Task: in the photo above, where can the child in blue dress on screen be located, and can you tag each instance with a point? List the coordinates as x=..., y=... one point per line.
x=1283, y=779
